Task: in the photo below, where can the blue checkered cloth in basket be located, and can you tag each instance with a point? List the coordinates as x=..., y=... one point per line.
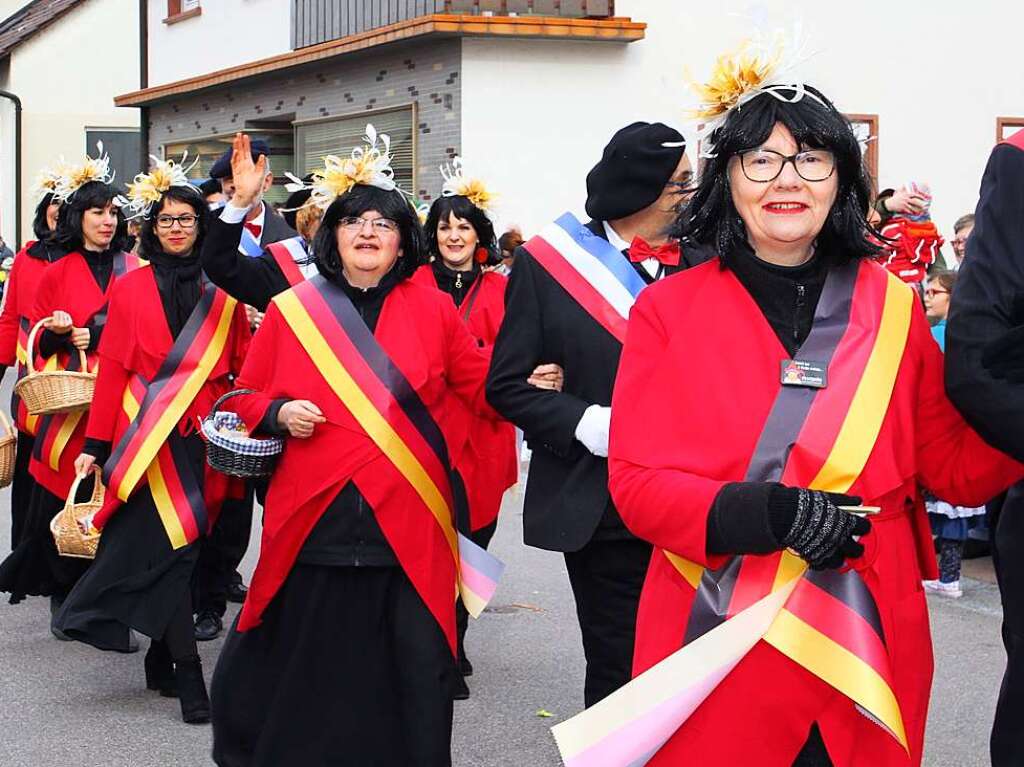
x=222, y=423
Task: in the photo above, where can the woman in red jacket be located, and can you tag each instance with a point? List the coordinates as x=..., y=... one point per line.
x=168, y=329
x=73, y=294
x=346, y=642
x=761, y=398
x=19, y=293
x=460, y=243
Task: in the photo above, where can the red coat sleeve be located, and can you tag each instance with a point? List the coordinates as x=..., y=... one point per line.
x=113, y=376
x=659, y=503
x=953, y=461
x=9, y=312
x=242, y=336
x=466, y=364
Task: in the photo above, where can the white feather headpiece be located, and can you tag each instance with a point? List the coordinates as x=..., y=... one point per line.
x=147, y=188
x=76, y=176
x=456, y=183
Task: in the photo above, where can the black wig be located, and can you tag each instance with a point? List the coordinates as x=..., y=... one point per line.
x=710, y=217
x=443, y=207
x=357, y=201
x=148, y=240
x=94, y=194
x=39, y=225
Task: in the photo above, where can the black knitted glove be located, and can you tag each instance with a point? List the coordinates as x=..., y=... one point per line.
x=815, y=528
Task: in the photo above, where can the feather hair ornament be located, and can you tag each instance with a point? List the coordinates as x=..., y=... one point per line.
x=369, y=165
x=147, y=188
x=76, y=176
x=49, y=179
x=761, y=64
x=456, y=183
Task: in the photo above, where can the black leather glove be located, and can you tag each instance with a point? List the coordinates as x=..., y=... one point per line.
x=815, y=528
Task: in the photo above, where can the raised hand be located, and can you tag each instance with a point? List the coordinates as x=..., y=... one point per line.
x=246, y=175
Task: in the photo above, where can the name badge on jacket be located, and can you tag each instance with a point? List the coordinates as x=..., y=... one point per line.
x=804, y=373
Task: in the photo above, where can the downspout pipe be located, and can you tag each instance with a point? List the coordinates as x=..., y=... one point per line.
x=17, y=165
x=144, y=83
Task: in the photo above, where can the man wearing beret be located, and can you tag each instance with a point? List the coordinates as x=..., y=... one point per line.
x=243, y=228
x=633, y=194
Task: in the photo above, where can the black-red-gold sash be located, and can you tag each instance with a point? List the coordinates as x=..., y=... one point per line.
x=151, y=446
x=54, y=432
x=821, y=438
x=286, y=255
x=372, y=388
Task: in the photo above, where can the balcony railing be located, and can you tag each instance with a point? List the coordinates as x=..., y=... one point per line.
x=318, y=21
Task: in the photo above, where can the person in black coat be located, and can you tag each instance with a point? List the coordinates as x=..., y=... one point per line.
x=239, y=234
x=985, y=379
x=633, y=195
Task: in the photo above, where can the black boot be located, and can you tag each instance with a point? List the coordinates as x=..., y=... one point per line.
x=195, y=703
x=160, y=670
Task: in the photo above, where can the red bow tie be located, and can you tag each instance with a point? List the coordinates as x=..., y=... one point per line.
x=255, y=229
x=667, y=254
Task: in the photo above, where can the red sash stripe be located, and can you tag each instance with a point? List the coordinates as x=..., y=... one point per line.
x=286, y=263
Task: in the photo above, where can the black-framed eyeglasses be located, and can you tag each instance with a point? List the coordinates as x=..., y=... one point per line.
x=187, y=221
x=764, y=165
x=377, y=225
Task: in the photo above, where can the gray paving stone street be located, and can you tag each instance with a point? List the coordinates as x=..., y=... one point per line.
x=67, y=705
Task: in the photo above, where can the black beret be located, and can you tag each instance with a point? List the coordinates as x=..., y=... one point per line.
x=633, y=171
x=295, y=201
x=222, y=168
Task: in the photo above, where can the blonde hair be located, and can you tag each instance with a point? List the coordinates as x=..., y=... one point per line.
x=305, y=217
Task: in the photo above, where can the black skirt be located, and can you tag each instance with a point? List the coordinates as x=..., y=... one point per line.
x=137, y=579
x=347, y=668
x=21, y=488
x=34, y=568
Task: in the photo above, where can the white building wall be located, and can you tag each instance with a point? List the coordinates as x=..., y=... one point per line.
x=227, y=33
x=67, y=76
x=537, y=114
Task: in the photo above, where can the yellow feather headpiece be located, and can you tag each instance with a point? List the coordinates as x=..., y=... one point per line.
x=49, y=179
x=147, y=188
x=762, y=64
x=76, y=176
x=369, y=165
x=457, y=184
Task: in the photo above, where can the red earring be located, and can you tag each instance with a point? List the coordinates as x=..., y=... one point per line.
x=481, y=255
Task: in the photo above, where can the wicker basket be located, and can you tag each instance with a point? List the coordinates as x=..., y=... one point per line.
x=8, y=449
x=70, y=540
x=55, y=391
x=241, y=456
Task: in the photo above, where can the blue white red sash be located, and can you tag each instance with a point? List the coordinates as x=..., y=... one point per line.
x=290, y=255
x=249, y=245
x=596, y=275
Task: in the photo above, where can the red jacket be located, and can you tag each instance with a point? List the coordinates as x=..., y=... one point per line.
x=699, y=374
x=68, y=285
x=421, y=332
x=19, y=300
x=483, y=451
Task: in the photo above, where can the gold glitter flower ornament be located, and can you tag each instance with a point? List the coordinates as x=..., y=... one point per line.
x=456, y=183
x=75, y=177
x=147, y=188
x=369, y=165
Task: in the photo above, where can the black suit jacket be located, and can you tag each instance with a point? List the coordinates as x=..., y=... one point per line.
x=567, y=495
x=988, y=300
x=252, y=281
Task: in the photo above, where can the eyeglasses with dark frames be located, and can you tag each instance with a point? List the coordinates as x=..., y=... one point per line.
x=187, y=221
x=377, y=225
x=765, y=165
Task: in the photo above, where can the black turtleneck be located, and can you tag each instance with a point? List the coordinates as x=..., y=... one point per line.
x=179, y=282
x=101, y=266
x=369, y=301
x=786, y=295
x=47, y=251
x=455, y=283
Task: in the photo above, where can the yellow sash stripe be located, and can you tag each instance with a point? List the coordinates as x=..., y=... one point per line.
x=838, y=667
x=363, y=410
x=21, y=354
x=63, y=437
x=170, y=417
x=691, y=571
x=165, y=506
x=870, y=403
x=157, y=485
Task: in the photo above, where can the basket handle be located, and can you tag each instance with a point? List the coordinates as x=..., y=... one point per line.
x=228, y=395
x=97, y=488
x=6, y=422
x=30, y=351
